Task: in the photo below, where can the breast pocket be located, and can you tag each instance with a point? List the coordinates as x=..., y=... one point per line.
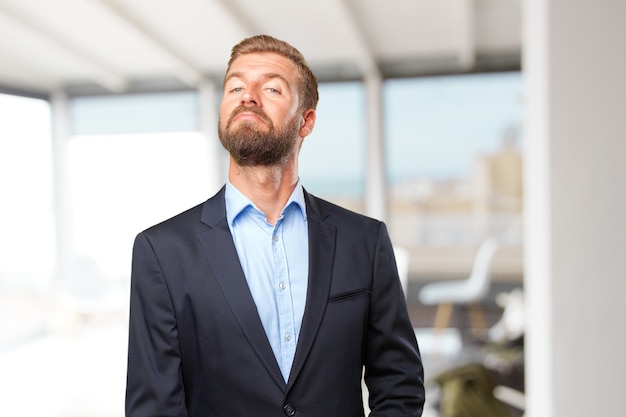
x=348, y=295
x=345, y=319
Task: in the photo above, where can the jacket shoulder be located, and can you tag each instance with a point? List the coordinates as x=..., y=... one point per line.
x=191, y=218
x=336, y=214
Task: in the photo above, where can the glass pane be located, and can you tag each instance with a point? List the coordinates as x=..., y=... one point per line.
x=135, y=113
x=454, y=155
x=332, y=158
x=454, y=149
x=121, y=184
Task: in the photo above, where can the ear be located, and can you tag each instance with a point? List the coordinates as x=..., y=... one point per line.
x=308, y=122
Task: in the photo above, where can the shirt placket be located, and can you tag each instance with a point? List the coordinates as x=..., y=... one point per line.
x=283, y=300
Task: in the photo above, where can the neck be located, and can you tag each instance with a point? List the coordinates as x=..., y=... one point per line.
x=268, y=187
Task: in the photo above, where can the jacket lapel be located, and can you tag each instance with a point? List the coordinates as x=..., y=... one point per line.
x=220, y=251
x=321, y=256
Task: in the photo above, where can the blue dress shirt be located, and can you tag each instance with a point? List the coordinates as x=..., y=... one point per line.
x=275, y=261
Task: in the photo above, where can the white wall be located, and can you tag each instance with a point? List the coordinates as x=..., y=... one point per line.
x=575, y=69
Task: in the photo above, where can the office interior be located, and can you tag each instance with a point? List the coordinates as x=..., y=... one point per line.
x=531, y=234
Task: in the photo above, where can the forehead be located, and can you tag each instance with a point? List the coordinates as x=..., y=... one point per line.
x=260, y=64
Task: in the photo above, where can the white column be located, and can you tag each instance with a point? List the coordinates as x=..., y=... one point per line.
x=209, y=111
x=575, y=167
x=376, y=180
x=59, y=109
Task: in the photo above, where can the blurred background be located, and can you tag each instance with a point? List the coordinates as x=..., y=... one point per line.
x=490, y=145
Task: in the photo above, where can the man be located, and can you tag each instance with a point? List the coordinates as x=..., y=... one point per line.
x=265, y=300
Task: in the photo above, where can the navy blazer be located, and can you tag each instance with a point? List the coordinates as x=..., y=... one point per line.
x=197, y=347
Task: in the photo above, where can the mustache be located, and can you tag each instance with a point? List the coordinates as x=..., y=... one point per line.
x=244, y=109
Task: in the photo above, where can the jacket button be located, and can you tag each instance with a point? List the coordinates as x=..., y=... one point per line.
x=289, y=410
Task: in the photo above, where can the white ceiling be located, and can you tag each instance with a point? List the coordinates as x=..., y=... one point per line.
x=126, y=45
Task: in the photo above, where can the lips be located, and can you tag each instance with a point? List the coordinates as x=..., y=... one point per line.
x=247, y=116
x=248, y=113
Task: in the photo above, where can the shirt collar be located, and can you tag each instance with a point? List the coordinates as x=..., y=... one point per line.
x=237, y=202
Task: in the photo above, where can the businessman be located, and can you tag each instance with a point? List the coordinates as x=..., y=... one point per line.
x=266, y=300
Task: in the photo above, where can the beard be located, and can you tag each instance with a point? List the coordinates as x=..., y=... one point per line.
x=250, y=145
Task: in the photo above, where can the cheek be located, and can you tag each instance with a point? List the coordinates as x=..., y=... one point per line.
x=286, y=113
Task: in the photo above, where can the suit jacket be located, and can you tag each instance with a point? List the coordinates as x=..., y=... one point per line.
x=197, y=346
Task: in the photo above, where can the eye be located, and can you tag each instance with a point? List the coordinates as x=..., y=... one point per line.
x=236, y=90
x=272, y=90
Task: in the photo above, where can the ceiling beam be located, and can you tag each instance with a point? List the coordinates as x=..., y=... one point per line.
x=184, y=70
x=104, y=76
x=467, y=32
x=366, y=61
x=244, y=23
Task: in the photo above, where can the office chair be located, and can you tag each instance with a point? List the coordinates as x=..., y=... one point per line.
x=470, y=291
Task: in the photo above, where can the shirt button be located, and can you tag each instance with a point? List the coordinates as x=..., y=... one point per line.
x=289, y=410
x=287, y=337
x=275, y=238
x=282, y=285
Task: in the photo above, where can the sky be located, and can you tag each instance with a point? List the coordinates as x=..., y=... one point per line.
x=434, y=127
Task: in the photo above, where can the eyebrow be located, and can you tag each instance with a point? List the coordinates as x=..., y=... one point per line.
x=269, y=75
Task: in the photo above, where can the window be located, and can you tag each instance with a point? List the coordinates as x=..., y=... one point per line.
x=332, y=159
x=454, y=152
x=134, y=160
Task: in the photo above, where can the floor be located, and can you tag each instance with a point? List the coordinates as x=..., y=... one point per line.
x=78, y=374
x=78, y=368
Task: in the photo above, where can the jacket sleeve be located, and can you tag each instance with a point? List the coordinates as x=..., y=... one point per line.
x=393, y=368
x=154, y=384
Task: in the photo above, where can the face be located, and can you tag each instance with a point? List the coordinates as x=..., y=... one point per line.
x=259, y=119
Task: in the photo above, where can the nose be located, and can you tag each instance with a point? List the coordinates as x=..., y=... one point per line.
x=250, y=98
